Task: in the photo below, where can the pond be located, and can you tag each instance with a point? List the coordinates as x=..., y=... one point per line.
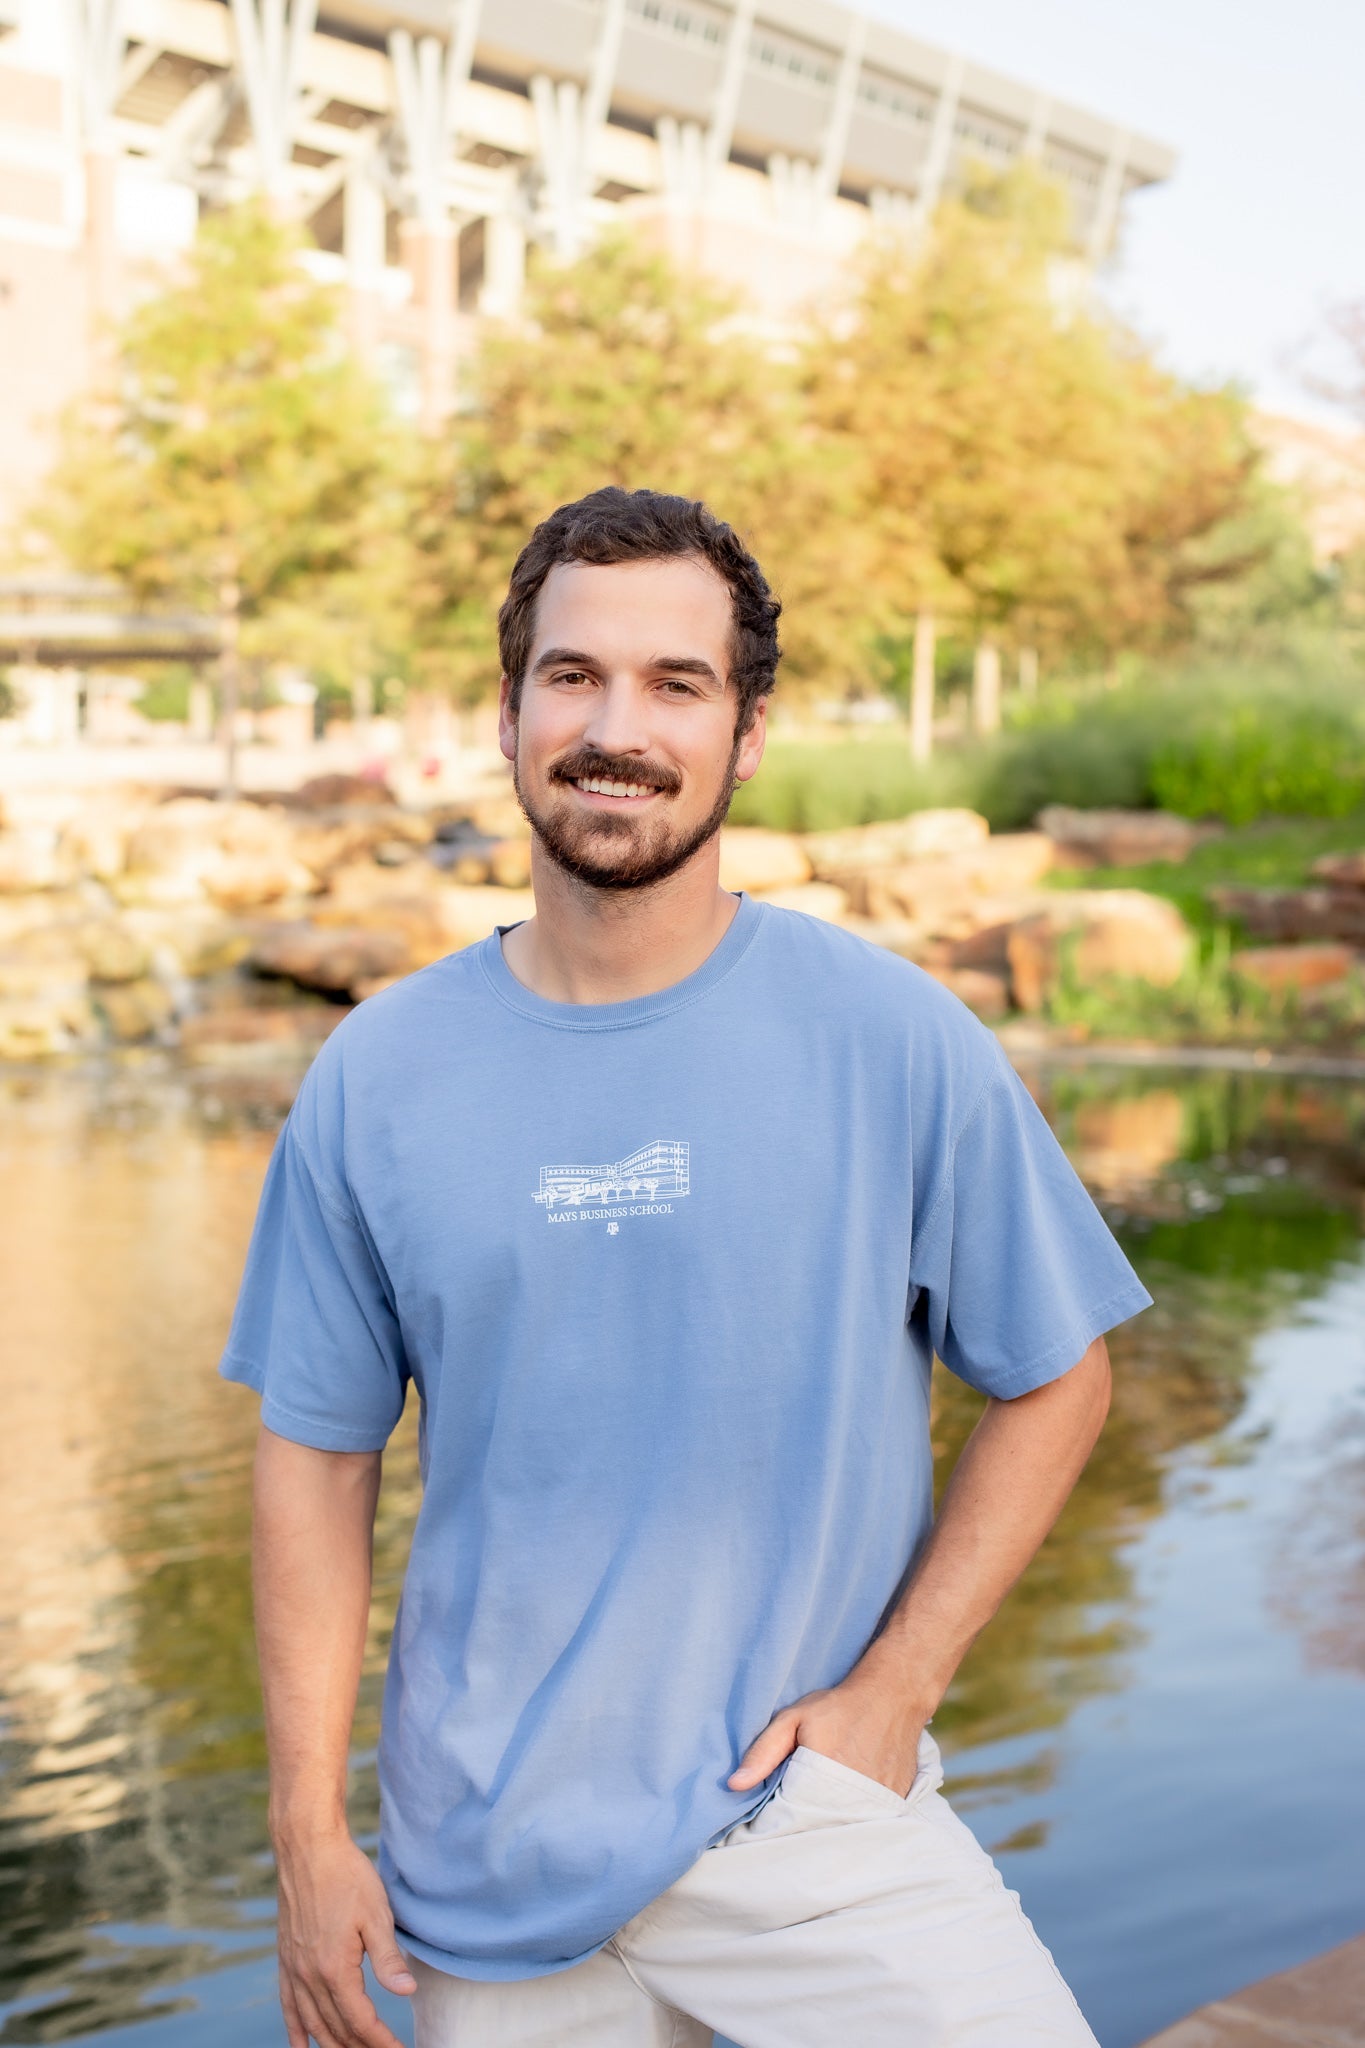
x=1160, y=1737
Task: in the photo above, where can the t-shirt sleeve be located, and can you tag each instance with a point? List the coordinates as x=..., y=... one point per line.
x=315, y=1332
x=1013, y=1271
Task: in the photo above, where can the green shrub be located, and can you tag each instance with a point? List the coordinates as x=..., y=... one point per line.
x=806, y=787
x=1263, y=759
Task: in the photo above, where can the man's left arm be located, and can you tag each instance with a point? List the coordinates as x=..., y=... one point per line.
x=1007, y=1489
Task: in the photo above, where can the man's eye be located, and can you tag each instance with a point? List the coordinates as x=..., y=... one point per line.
x=573, y=675
x=678, y=686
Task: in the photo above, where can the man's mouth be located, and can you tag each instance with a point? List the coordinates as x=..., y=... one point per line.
x=597, y=785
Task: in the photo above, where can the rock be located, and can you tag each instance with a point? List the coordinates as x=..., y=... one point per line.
x=135, y=1010
x=986, y=946
x=928, y=892
x=332, y=958
x=195, y=941
x=1124, y=1143
x=45, y=1005
x=31, y=857
x=1119, y=839
x=325, y=792
x=500, y=817
x=95, y=842
x=35, y=1027
x=468, y=915
x=1119, y=932
x=245, y=881
x=45, y=963
x=987, y=994
x=923, y=835
x=231, y=1037
x=112, y=952
x=509, y=864
x=238, y=855
x=757, y=860
x=815, y=899
x=1008, y=862
x=1341, y=870
x=1307, y=966
x=326, y=841
x=1279, y=915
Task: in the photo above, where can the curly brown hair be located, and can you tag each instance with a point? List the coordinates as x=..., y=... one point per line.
x=612, y=525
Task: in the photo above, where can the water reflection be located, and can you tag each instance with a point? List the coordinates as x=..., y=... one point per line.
x=133, y=1871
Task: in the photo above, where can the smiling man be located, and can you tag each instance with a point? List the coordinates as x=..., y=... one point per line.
x=664, y=1202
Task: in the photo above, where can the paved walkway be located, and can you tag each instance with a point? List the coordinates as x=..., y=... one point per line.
x=1319, y=2005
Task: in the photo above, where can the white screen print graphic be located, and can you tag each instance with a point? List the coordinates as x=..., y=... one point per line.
x=656, y=1173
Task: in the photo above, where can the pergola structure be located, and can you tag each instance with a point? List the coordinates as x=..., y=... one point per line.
x=427, y=142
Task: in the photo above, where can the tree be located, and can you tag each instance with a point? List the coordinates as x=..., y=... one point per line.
x=626, y=371
x=1025, y=470
x=240, y=459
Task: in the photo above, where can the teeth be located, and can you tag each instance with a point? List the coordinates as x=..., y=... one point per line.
x=597, y=787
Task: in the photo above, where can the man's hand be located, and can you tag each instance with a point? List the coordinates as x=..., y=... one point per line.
x=1015, y=1472
x=333, y=1913
x=861, y=1723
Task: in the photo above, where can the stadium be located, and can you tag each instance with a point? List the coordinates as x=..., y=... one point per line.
x=427, y=145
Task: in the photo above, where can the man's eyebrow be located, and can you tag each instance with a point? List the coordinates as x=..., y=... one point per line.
x=688, y=665
x=557, y=657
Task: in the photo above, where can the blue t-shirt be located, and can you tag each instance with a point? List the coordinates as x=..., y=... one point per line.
x=668, y=1276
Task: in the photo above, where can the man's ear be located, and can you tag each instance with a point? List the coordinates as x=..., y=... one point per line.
x=753, y=742
x=507, y=720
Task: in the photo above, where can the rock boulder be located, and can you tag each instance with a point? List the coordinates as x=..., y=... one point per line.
x=1119, y=839
x=1121, y=933
x=1314, y=965
x=759, y=861
x=924, y=835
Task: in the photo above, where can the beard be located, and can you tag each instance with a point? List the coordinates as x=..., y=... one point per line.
x=624, y=852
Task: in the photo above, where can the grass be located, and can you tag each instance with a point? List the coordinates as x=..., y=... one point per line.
x=1212, y=1004
x=1277, y=853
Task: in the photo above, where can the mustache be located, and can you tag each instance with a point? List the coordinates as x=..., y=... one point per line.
x=586, y=762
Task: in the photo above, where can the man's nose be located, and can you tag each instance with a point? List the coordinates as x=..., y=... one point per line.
x=617, y=724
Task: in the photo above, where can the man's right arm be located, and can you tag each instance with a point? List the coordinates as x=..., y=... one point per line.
x=312, y=1550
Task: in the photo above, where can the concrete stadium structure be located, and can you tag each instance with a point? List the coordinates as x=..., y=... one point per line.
x=427, y=143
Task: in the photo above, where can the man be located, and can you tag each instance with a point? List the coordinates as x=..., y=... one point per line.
x=664, y=1200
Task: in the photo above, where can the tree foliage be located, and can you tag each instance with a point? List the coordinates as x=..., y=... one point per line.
x=1026, y=469
x=959, y=433
x=626, y=371
x=239, y=456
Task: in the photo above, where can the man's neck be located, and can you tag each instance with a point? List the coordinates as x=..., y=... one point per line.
x=587, y=945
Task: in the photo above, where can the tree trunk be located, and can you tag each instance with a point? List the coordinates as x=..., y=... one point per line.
x=230, y=676
x=986, y=689
x=1028, y=671
x=922, y=688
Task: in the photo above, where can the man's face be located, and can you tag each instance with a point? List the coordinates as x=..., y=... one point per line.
x=624, y=748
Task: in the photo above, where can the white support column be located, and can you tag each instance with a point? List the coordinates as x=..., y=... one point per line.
x=721, y=131
x=98, y=44
x=841, y=112
x=362, y=246
x=1106, y=218
x=504, y=265
x=430, y=77
x=99, y=39
x=940, y=140
x=569, y=120
x=682, y=160
x=272, y=37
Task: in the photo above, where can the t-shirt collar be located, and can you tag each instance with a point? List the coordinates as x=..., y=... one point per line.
x=640, y=1009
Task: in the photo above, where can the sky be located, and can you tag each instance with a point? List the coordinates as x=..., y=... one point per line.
x=1232, y=266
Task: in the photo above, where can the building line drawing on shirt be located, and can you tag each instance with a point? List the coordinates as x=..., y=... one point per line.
x=662, y=1168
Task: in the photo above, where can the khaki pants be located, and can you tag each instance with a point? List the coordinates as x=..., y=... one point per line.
x=840, y=1916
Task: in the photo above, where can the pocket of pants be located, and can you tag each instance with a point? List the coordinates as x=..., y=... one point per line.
x=811, y=1778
